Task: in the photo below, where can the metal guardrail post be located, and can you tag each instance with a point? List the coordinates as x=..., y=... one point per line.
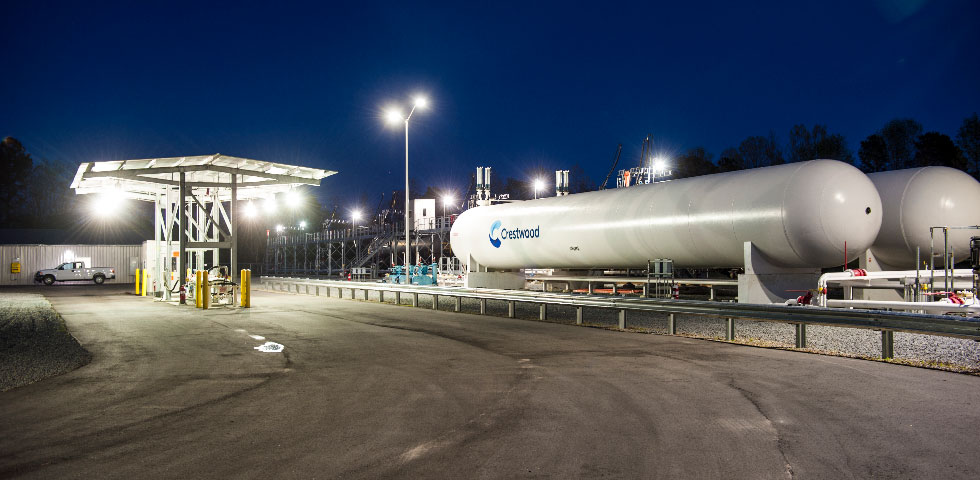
x=435, y=302
x=622, y=319
x=458, y=307
x=887, y=344
x=366, y=294
x=711, y=293
x=578, y=315
x=511, y=308
x=729, y=329
x=381, y=296
x=671, y=324
x=483, y=306
x=591, y=288
x=543, y=312
x=398, y=298
x=800, y=335
x=415, y=299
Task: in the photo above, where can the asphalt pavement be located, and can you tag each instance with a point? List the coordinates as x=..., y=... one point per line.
x=364, y=390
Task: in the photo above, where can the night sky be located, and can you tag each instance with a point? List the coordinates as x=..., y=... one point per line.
x=512, y=85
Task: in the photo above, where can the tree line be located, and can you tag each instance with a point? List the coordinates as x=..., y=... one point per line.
x=899, y=144
x=33, y=193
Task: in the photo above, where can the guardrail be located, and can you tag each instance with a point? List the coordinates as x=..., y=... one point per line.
x=887, y=322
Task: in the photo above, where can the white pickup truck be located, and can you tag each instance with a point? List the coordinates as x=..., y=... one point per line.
x=73, y=271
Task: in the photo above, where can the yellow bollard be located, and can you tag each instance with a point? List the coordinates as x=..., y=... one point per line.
x=205, y=291
x=197, y=289
x=146, y=278
x=247, y=291
x=137, y=286
x=243, y=291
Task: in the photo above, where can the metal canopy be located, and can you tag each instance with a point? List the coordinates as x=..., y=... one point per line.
x=189, y=194
x=143, y=179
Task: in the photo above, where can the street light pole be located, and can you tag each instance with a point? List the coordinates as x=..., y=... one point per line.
x=393, y=116
x=408, y=258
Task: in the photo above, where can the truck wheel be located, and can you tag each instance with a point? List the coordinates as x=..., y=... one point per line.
x=99, y=279
x=49, y=280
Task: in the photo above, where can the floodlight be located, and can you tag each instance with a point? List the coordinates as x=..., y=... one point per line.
x=106, y=204
x=302, y=224
x=279, y=228
x=293, y=198
x=355, y=214
x=250, y=210
x=447, y=199
x=394, y=116
x=538, y=184
x=659, y=164
x=421, y=102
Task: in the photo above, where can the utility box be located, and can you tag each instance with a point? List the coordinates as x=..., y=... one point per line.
x=661, y=267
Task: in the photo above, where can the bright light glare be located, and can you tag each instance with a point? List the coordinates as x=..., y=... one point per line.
x=421, y=102
x=538, y=185
x=279, y=228
x=106, y=204
x=394, y=116
x=293, y=198
x=269, y=205
x=659, y=164
x=355, y=214
x=302, y=224
x=250, y=210
x=447, y=199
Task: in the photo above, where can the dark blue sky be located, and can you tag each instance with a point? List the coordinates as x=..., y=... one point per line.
x=513, y=85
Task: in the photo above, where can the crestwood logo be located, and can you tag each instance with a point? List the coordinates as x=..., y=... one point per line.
x=498, y=233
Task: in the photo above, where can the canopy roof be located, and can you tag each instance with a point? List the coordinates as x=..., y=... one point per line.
x=146, y=178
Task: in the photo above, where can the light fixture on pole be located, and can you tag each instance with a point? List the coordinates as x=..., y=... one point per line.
x=393, y=116
x=446, y=200
x=538, y=185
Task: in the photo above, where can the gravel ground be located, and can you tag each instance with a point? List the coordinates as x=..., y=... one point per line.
x=34, y=342
x=930, y=350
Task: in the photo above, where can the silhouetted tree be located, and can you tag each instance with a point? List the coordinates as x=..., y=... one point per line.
x=968, y=139
x=16, y=165
x=47, y=194
x=730, y=161
x=900, y=135
x=579, y=181
x=517, y=189
x=760, y=151
x=937, y=149
x=817, y=143
x=694, y=163
x=873, y=154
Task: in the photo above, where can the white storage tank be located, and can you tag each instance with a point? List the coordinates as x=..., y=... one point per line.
x=915, y=199
x=797, y=215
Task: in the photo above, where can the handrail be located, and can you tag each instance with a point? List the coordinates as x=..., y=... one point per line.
x=887, y=322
